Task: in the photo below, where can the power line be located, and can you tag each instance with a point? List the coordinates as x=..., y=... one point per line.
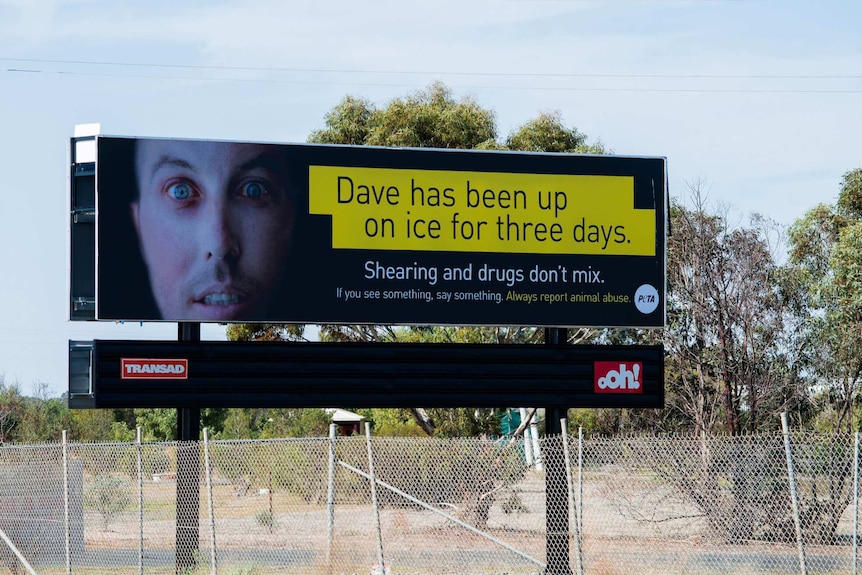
x=408, y=85
x=442, y=73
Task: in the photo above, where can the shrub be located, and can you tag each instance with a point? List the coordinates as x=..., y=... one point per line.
x=266, y=519
x=109, y=495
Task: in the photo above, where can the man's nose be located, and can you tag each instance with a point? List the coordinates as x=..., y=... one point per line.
x=221, y=237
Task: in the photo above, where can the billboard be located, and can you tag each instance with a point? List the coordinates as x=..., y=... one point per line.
x=199, y=230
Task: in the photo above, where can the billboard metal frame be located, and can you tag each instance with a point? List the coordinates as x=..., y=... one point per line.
x=82, y=231
x=319, y=374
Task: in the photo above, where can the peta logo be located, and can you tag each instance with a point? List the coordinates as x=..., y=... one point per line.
x=646, y=299
x=154, y=368
x=617, y=377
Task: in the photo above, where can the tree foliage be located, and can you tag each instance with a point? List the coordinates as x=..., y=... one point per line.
x=265, y=332
x=547, y=133
x=826, y=252
x=730, y=327
x=430, y=118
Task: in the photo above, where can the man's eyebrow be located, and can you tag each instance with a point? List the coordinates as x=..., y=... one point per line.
x=265, y=160
x=172, y=161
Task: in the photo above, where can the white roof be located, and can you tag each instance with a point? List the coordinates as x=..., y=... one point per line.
x=344, y=416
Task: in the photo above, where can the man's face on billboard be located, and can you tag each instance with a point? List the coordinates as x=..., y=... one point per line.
x=214, y=222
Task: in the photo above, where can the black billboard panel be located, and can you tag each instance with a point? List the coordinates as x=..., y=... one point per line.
x=125, y=374
x=192, y=230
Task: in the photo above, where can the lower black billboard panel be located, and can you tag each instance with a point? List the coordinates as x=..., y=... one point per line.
x=126, y=374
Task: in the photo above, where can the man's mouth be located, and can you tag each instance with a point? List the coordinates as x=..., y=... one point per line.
x=222, y=299
x=228, y=300
x=219, y=296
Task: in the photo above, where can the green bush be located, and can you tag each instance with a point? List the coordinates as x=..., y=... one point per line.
x=266, y=519
x=110, y=495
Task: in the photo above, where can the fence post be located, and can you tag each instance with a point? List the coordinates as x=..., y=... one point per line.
x=580, y=481
x=794, y=496
x=271, y=509
x=571, y=490
x=856, y=503
x=374, y=502
x=209, y=480
x=528, y=442
x=140, y=501
x=68, y=533
x=330, y=495
x=534, y=437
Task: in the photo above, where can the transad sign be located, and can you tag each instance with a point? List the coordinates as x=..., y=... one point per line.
x=194, y=230
x=154, y=368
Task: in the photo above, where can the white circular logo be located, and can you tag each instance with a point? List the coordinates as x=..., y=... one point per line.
x=646, y=299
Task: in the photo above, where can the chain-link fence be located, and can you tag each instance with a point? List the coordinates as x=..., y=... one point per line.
x=639, y=505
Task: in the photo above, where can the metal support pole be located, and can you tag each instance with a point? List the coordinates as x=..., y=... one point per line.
x=374, y=501
x=794, y=496
x=140, y=501
x=571, y=489
x=271, y=507
x=188, y=472
x=528, y=441
x=208, y=474
x=856, y=503
x=556, y=492
x=534, y=437
x=66, y=503
x=330, y=495
x=580, y=483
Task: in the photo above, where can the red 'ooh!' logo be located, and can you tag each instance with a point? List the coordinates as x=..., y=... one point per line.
x=617, y=377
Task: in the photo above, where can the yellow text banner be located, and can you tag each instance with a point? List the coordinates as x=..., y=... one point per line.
x=461, y=211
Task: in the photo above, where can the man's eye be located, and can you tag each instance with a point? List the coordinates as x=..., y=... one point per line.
x=180, y=191
x=253, y=190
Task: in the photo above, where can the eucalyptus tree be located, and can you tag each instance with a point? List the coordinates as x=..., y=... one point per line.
x=728, y=356
x=826, y=250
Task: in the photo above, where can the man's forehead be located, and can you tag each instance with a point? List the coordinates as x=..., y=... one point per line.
x=152, y=154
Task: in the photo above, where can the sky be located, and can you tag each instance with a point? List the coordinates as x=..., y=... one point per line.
x=756, y=102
